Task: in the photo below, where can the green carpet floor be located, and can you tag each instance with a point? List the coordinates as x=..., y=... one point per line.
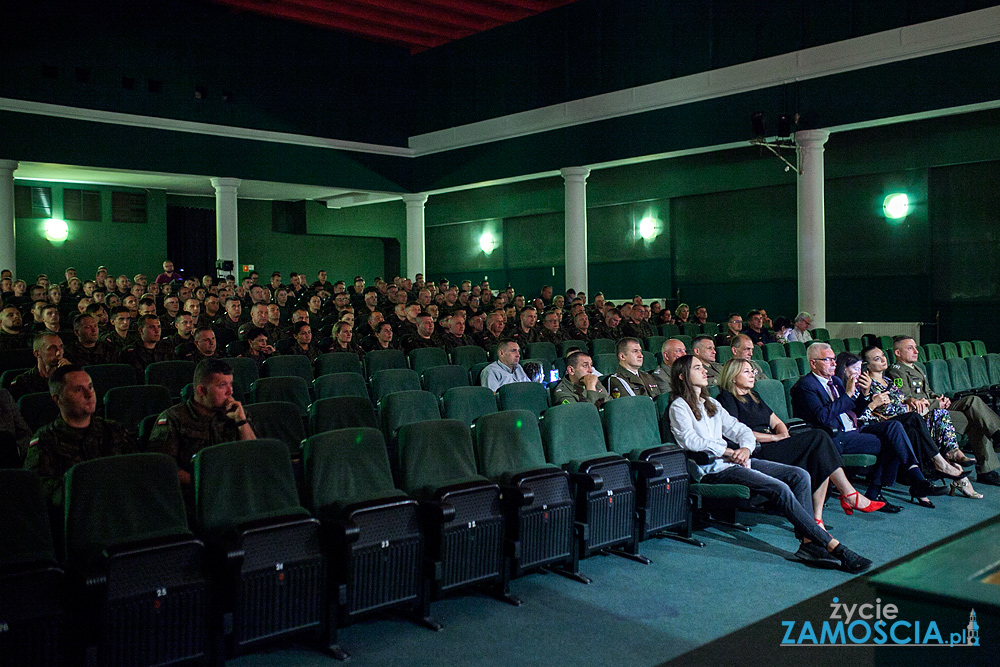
x=700, y=600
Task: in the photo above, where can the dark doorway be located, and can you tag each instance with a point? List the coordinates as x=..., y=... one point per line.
x=392, y=258
x=191, y=240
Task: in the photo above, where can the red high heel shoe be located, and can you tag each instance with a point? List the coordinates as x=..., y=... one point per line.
x=873, y=505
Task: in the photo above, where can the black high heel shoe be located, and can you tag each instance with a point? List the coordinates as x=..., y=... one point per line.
x=919, y=491
x=938, y=474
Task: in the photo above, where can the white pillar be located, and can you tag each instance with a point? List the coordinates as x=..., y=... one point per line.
x=811, y=225
x=576, y=227
x=415, y=251
x=8, y=259
x=227, y=244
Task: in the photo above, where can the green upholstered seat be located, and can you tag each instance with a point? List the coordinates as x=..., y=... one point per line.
x=439, y=379
x=524, y=396
x=344, y=383
x=392, y=380
x=237, y=483
x=423, y=358
x=338, y=362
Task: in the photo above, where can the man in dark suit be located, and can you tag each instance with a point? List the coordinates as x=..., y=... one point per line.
x=820, y=398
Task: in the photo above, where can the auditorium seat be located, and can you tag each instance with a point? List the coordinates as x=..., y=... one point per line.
x=33, y=606
x=950, y=350
x=439, y=379
x=933, y=351
x=654, y=344
x=245, y=373
x=536, y=494
x=979, y=348
x=340, y=384
x=837, y=345
x=426, y=357
x=602, y=484
x=567, y=345
x=540, y=350
x=290, y=388
x=328, y=414
x=783, y=368
x=171, y=374
x=774, y=351
x=338, y=362
x=467, y=356
x=128, y=405
x=38, y=409
x=796, y=350
x=965, y=349
x=278, y=420
x=606, y=364
x=821, y=334
x=530, y=396
x=263, y=546
x=371, y=530
x=288, y=365
x=466, y=404
x=463, y=522
x=143, y=594
x=392, y=380
x=659, y=470
x=378, y=360
x=108, y=376
x=602, y=346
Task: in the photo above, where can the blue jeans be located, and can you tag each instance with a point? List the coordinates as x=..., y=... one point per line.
x=787, y=487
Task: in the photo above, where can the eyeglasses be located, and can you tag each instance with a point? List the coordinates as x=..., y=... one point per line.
x=826, y=359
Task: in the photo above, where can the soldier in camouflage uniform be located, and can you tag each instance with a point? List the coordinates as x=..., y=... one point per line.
x=75, y=436
x=969, y=414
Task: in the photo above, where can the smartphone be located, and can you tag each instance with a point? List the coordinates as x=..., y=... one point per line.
x=554, y=375
x=864, y=367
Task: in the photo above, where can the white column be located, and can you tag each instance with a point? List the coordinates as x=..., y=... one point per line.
x=576, y=227
x=415, y=251
x=812, y=225
x=227, y=244
x=8, y=259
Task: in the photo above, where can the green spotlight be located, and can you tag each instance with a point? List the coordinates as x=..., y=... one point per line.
x=647, y=228
x=487, y=242
x=56, y=231
x=896, y=206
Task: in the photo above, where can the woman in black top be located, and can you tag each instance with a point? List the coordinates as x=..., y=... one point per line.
x=810, y=449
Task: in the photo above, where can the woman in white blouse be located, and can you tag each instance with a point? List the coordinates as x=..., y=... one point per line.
x=700, y=424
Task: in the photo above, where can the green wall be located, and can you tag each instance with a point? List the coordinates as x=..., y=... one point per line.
x=123, y=247
x=729, y=229
x=342, y=257
x=345, y=242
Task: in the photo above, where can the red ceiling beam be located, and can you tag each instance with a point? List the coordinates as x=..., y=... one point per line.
x=402, y=38
x=431, y=13
x=535, y=6
x=499, y=15
x=366, y=13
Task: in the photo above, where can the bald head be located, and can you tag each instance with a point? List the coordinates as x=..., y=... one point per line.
x=672, y=350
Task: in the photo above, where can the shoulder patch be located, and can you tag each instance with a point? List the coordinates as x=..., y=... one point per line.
x=898, y=382
x=34, y=441
x=895, y=367
x=161, y=421
x=565, y=401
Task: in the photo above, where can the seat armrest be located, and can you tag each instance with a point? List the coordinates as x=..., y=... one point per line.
x=437, y=512
x=590, y=481
x=517, y=496
x=647, y=469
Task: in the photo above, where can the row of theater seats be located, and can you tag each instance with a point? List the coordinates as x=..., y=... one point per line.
x=375, y=523
x=955, y=377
